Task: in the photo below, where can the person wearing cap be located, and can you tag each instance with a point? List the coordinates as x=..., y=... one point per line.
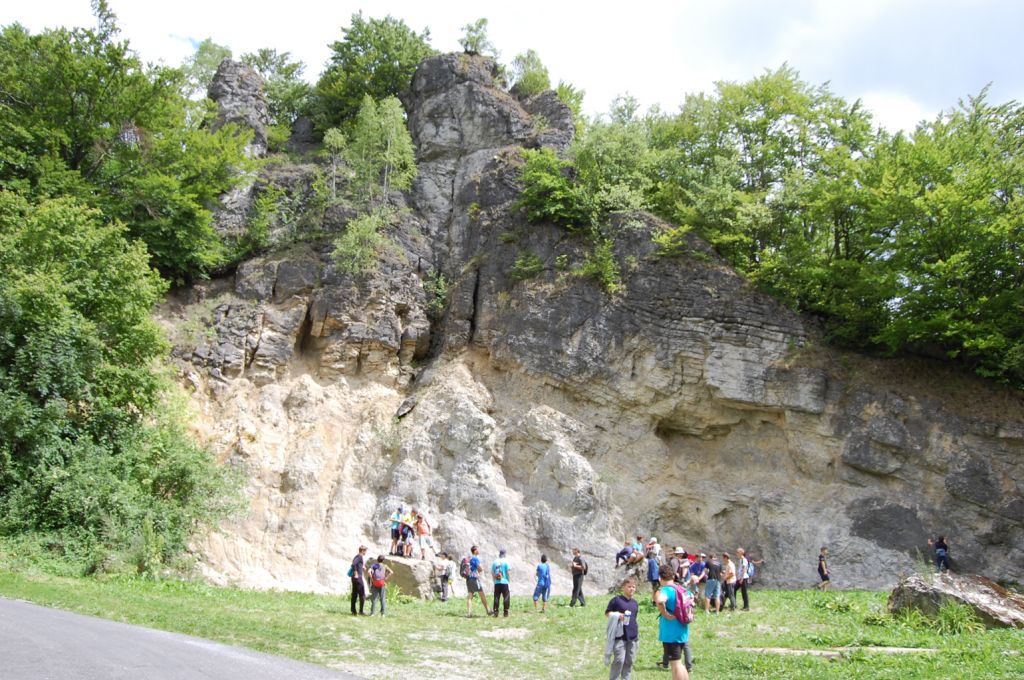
x=677, y=559
x=396, y=529
x=358, y=586
x=499, y=570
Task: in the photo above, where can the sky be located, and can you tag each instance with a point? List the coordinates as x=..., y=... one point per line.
x=907, y=60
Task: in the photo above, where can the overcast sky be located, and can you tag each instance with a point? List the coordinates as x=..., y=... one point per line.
x=906, y=59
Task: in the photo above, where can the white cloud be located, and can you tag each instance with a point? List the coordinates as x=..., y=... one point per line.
x=895, y=110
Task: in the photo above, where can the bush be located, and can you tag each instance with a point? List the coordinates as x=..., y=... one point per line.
x=550, y=194
x=526, y=266
x=602, y=266
x=356, y=251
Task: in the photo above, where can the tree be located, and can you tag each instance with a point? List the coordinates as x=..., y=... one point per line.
x=474, y=39
x=376, y=57
x=334, y=141
x=288, y=95
x=380, y=151
x=88, y=454
x=80, y=115
x=529, y=76
x=202, y=66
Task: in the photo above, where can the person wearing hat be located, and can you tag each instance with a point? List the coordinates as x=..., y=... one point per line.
x=677, y=559
x=655, y=547
x=499, y=570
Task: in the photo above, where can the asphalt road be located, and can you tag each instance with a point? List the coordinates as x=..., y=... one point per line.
x=37, y=643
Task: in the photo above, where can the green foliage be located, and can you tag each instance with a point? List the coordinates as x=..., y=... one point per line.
x=380, y=151
x=573, y=98
x=288, y=95
x=526, y=266
x=672, y=242
x=334, y=142
x=602, y=266
x=957, y=619
x=474, y=39
x=266, y=209
x=89, y=446
x=529, y=76
x=81, y=116
x=375, y=57
x=436, y=287
x=357, y=250
x=549, y=192
x=202, y=66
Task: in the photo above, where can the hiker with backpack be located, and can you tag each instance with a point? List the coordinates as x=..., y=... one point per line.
x=623, y=633
x=742, y=577
x=499, y=570
x=675, y=613
x=471, y=569
x=379, y=575
x=579, y=570
x=543, y=588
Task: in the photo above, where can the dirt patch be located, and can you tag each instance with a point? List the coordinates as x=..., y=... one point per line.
x=505, y=633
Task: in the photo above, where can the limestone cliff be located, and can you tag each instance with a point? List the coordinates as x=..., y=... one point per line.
x=545, y=414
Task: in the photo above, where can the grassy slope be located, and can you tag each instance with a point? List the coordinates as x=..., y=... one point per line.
x=438, y=641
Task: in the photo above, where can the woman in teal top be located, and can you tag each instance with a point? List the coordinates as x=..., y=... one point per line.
x=673, y=634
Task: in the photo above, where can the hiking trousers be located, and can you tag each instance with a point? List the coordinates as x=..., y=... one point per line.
x=730, y=594
x=577, y=591
x=742, y=587
x=444, y=587
x=377, y=594
x=623, y=654
x=500, y=591
x=358, y=592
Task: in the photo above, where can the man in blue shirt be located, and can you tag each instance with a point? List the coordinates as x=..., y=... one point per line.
x=499, y=570
x=473, y=584
x=396, y=529
x=673, y=634
x=543, y=588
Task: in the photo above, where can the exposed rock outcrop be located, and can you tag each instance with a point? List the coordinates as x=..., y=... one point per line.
x=995, y=606
x=238, y=90
x=545, y=414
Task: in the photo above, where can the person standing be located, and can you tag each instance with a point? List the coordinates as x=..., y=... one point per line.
x=741, y=577
x=379, y=574
x=542, y=590
x=713, y=586
x=358, y=586
x=729, y=580
x=698, y=574
x=423, y=534
x=446, y=570
x=621, y=649
x=652, y=571
x=672, y=633
x=941, y=548
x=499, y=570
x=396, y=529
x=823, y=571
x=579, y=570
x=474, y=573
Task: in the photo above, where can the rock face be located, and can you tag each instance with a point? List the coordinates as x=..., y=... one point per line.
x=238, y=91
x=994, y=606
x=545, y=414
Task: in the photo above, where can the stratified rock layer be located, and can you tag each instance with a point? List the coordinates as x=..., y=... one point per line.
x=542, y=415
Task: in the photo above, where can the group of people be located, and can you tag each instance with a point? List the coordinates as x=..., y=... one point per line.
x=410, y=530
x=472, y=570
x=378, y=573
x=712, y=578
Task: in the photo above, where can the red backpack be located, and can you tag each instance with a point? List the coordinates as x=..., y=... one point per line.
x=684, y=605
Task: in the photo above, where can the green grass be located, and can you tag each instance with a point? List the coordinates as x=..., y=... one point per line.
x=431, y=640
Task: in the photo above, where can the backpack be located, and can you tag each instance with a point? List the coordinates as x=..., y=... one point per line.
x=586, y=567
x=377, y=574
x=464, y=567
x=750, y=571
x=684, y=605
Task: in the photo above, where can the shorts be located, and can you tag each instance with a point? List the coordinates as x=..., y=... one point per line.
x=425, y=542
x=542, y=592
x=473, y=586
x=713, y=589
x=395, y=534
x=673, y=651
x=824, y=577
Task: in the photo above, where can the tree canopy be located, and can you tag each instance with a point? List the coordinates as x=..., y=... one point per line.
x=375, y=57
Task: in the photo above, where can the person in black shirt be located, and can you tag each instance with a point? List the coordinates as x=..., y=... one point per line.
x=941, y=553
x=358, y=586
x=622, y=650
x=579, y=570
x=713, y=586
x=823, y=571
